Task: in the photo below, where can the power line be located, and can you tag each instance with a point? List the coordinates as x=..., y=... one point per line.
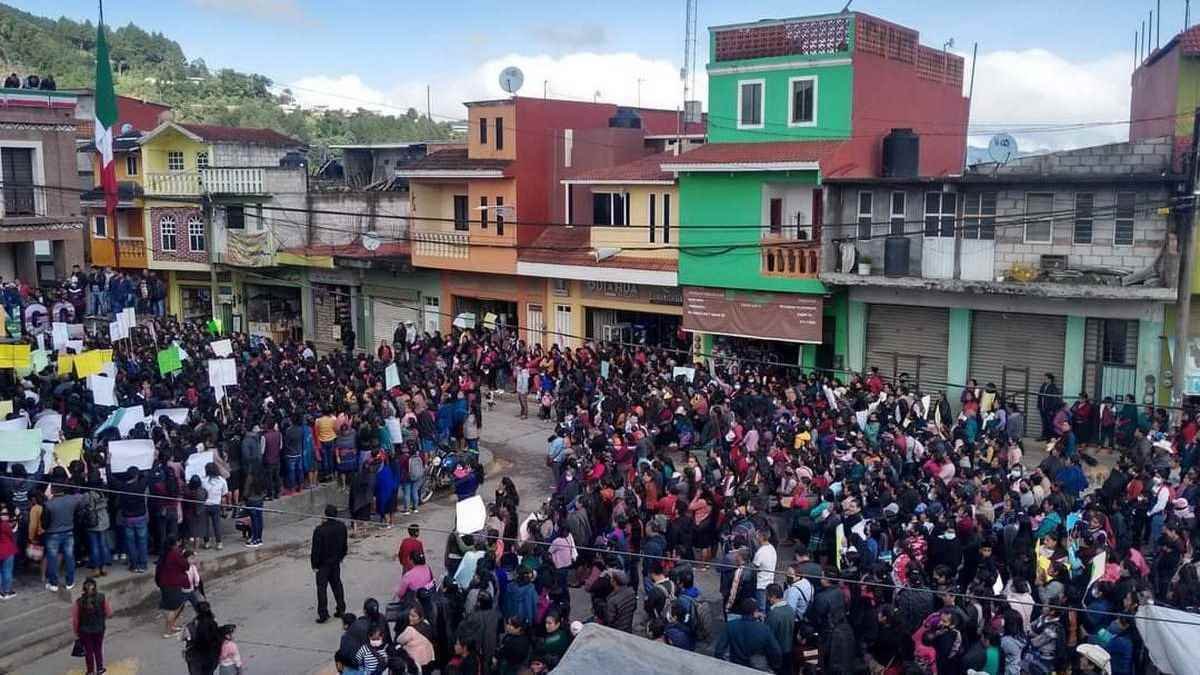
x=593, y=549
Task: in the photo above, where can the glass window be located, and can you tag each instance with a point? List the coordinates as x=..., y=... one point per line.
x=1084, y=202
x=499, y=133
x=653, y=225
x=804, y=99
x=483, y=131
x=499, y=215
x=100, y=226
x=896, y=215
x=131, y=165
x=16, y=181
x=866, y=202
x=609, y=208
x=174, y=160
x=1039, y=217
x=166, y=231
x=939, y=213
x=461, y=219
x=195, y=233
x=235, y=217
x=750, y=104
x=201, y=160
x=483, y=213
x=666, y=219
x=1123, y=223
x=979, y=215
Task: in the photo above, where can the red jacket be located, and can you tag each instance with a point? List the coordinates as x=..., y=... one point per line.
x=172, y=571
x=8, y=542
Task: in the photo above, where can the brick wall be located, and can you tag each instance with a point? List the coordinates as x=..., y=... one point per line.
x=244, y=154
x=182, y=252
x=1149, y=156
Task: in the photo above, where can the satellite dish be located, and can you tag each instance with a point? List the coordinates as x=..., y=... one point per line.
x=511, y=79
x=1002, y=148
x=370, y=241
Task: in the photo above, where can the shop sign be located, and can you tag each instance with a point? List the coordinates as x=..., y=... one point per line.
x=654, y=295
x=666, y=295
x=610, y=289
x=334, y=277
x=769, y=316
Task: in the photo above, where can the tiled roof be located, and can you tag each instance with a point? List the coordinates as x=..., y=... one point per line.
x=760, y=153
x=559, y=245
x=646, y=168
x=1190, y=40
x=450, y=160
x=219, y=134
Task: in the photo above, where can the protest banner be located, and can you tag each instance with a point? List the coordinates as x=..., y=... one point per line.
x=138, y=452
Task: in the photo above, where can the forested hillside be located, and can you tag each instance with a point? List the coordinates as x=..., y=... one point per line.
x=153, y=67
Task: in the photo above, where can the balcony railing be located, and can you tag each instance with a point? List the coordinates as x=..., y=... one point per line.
x=440, y=244
x=21, y=201
x=212, y=180
x=791, y=259
x=131, y=251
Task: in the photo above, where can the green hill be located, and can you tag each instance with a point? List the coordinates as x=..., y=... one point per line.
x=151, y=66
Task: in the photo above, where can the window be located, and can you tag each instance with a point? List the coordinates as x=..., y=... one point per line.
x=568, y=147
x=750, y=104
x=461, y=220
x=570, y=204
x=235, y=218
x=1116, y=340
x=802, y=106
x=536, y=323
x=16, y=176
x=483, y=213
x=609, y=208
x=776, y=216
x=166, y=232
x=195, y=233
x=653, y=226
x=866, y=202
x=100, y=226
x=896, y=218
x=939, y=213
x=499, y=133
x=979, y=215
x=1123, y=223
x=562, y=325
x=483, y=131
x=174, y=160
x=560, y=287
x=131, y=167
x=499, y=215
x=666, y=221
x=1039, y=219
x=1083, y=217
x=201, y=160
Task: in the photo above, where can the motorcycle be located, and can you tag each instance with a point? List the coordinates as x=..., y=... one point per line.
x=439, y=473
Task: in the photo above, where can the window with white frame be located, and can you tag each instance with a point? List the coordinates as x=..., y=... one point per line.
x=750, y=104
x=562, y=325
x=166, y=233
x=560, y=287
x=195, y=233
x=202, y=160
x=131, y=165
x=100, y=226
x=979, y=215
x=1084, y=217
x=174, y=160
x=802, y=102
x=610, y=208
x=1124, y=218
x=866, y=214
x=939, y=213
x=1039, y=217
x=896, y=214
x=536, y=324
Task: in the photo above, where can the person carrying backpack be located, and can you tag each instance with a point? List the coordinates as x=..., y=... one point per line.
x=660, y=594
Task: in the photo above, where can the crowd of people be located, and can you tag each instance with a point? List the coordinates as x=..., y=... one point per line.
x=31, y=81
x=849, y=522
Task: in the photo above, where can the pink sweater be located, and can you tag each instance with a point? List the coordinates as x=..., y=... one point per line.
x=230, y=656
x=416, y=645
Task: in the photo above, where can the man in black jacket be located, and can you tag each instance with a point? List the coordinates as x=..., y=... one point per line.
x=329, y=547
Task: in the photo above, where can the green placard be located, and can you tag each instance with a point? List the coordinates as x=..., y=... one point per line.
x=169, y=361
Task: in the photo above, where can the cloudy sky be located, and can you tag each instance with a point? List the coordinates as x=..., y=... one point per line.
x=1039, y=62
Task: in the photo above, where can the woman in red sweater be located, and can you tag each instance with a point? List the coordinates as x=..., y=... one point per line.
x=172, y=578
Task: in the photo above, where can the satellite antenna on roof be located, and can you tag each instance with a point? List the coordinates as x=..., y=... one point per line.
x=370, y=241
x=511, y=79
x=1002, y=148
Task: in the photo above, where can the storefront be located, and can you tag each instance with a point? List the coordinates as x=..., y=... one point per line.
x=517, y=302
x=336, y=306
x=758, y=326
x=632, y=313
x=190, y=295
x=275, y=312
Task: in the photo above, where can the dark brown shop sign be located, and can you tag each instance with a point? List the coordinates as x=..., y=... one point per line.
x=774, y=316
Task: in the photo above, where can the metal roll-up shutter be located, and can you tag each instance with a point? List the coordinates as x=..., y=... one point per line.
x=913, y=340
x=1015, y=351
x=387, y=314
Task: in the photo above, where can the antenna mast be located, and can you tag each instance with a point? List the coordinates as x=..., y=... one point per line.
x=688, y=72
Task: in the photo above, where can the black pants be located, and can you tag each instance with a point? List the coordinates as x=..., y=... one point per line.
x=330, y=575
x=271, y=480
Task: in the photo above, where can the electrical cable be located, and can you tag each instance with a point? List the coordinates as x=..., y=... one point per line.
x=384, y=527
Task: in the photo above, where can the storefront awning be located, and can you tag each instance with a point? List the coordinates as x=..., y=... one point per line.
x=304, y=260
x=766, y=316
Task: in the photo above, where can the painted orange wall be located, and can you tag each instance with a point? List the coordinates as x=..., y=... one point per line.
x=505, y=110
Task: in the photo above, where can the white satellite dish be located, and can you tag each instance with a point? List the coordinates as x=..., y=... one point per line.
x=1002, y=148
x=370, y=241
x=511, y=79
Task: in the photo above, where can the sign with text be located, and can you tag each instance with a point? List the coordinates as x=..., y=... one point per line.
x=652, y=295
x=767, y=316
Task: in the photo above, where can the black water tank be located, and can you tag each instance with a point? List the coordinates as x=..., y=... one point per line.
x=895, y=257
x=626, y=118
x=901, y=154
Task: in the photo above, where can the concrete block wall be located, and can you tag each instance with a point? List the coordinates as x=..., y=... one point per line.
x=1148, y=156
x=244, y=155
x=358, y=212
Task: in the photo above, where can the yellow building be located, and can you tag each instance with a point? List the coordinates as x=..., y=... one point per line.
x=120, y=244
x=611, y=274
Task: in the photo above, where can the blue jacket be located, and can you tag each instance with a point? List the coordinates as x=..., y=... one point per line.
x=742, y=639
x=520, y=600
x=1120, y=648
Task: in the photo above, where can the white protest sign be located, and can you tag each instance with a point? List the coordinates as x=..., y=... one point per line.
x=51, y=425
x=103, y=389
x=75, y=331
x=391, y=376
x=116, y=331
x=470, y=515
x=176, y=415
x=196, y=463
x=58, y=333
x=394, y=430
x=183, y=355
x=130, y=418
x=222, y=373
x=222, y=348
x=124, y=454
x=128, y=319
x=17, y=424
x=74, y=345
x=688, y=373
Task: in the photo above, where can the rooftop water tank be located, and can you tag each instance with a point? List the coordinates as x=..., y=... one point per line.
x=901, y=154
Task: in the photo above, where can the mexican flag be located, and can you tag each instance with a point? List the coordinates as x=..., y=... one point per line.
x=106, y=119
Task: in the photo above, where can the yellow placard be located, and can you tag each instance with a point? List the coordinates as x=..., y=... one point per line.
x=6, y=407
x=89, y=363
x=106, y=355
x=15, y=356
x=66, y=363
x=68, y=451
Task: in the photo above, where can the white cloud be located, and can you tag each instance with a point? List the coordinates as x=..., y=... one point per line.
x=571, y=76
x=278, y=10
x=1023, y=91
x=571, y=36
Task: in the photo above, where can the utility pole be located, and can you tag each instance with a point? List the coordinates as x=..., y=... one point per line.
x=639, y=85
x=428, y=104
x=206, y=206
x=1183, y=303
